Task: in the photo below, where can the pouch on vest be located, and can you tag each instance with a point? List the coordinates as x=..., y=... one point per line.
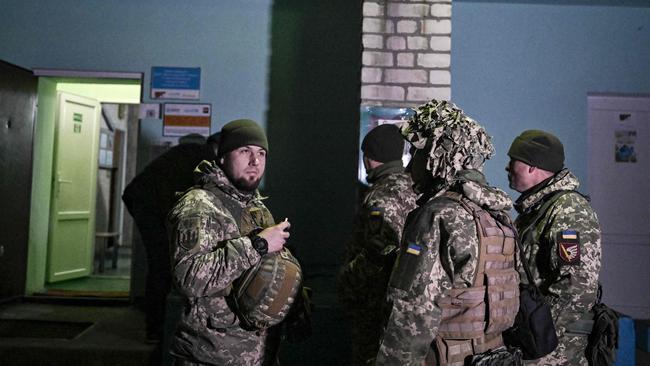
x=473, y=318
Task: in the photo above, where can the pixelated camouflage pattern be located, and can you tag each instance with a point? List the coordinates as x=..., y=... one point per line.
x=371, y=254
x=455, y=141
x=570, y=289
x=448, y=258
x=209, y=252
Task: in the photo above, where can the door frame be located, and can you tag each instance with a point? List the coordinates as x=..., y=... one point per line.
x=17, y=121
x=49, y=82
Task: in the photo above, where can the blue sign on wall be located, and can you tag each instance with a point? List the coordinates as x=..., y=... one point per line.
x=175, y=82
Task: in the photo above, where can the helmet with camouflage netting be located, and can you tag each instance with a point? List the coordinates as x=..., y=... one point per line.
x=452, y=140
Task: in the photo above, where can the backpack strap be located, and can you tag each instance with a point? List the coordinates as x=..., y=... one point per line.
x=529, y=231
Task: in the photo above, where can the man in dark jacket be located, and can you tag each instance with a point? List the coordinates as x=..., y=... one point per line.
x=148, y=198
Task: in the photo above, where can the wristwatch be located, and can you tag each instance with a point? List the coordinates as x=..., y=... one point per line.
x=259, y=243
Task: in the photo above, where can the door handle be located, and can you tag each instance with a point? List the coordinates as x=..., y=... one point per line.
x=60, y=180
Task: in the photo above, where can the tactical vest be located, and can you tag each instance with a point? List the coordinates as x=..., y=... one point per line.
x=474, y=317
x=263, y=295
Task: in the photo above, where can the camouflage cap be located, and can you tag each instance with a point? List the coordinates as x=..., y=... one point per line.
x=454, y=141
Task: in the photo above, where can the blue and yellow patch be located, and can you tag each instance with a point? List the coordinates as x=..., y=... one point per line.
x=569, y=234
x=568, y=247
x=414, y=249
x=376, y=212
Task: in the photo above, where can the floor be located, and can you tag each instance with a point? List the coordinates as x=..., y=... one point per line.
x=115, y=327
x=115, y=335
x=111, y=283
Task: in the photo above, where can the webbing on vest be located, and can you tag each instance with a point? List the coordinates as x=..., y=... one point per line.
x=474, y=317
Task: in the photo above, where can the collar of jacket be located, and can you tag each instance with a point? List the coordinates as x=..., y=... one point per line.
x=209, y=176
x=562, y=180
x=384, y=169
x=472, y=184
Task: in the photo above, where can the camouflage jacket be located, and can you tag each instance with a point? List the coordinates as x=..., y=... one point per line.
x=371, y=253
x=209, y=252
x=563, y=248
x=438, y=252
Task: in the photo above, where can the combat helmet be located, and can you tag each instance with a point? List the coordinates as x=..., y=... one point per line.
x=452, y=140
x=264, y=294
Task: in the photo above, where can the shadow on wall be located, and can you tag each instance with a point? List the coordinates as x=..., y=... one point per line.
x=312, y=126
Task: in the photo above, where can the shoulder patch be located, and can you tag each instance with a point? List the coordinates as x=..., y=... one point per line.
x=413, y=249
x=376, y=212
x=188, y=233
x=568, y=247
x=375, y=220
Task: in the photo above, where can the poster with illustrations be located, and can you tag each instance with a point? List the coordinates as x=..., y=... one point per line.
x=624, y=146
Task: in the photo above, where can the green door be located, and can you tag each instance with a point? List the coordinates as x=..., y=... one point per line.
x=72, y=222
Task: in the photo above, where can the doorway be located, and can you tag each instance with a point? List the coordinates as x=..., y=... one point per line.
x=108, y=272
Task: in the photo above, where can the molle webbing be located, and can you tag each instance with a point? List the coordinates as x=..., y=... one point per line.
x=451, y=352
x=247, y=218
x=477, y=315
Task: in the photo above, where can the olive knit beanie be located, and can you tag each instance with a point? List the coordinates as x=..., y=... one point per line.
x=241, y=132
x=383, y=143
x=539, y=149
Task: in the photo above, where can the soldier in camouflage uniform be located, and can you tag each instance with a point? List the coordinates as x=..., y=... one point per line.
x=371, y=253
x=218, y=230
x=561, y=240
x=439, y=250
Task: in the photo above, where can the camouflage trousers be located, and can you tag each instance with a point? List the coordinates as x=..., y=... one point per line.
x=570, y=351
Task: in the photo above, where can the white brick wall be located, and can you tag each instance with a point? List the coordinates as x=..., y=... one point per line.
x=372, y=41
x=406, y=76
x=396, y=43
x=377, y=58
x=434, y=26
x=436, y=60
x=381, y=92
x=371, y=9
x=406, y=10
x=406, y=52
x=371, y=75
x=407, y=26
x=418, y=43
x=405, y=59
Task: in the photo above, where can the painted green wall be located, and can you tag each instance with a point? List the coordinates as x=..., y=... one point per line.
x=106, y=91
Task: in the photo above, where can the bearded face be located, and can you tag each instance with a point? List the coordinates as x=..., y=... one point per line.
x=245, y=167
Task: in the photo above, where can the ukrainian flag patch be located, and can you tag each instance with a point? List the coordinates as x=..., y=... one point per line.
x=375, y=212
x=569, y=234
x=568, y=247
x=414, y=249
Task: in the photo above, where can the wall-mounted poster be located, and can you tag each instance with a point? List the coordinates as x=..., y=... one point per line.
x=175, y=82
x=372, y=117
x=624, y=146
x=183, y=119
x=105, y=148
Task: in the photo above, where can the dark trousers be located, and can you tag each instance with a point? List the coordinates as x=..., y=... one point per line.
x=158, y=278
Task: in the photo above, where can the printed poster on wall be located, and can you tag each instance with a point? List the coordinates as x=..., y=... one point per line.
x=624, y=146
x=175, y=82
x=183, y=119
